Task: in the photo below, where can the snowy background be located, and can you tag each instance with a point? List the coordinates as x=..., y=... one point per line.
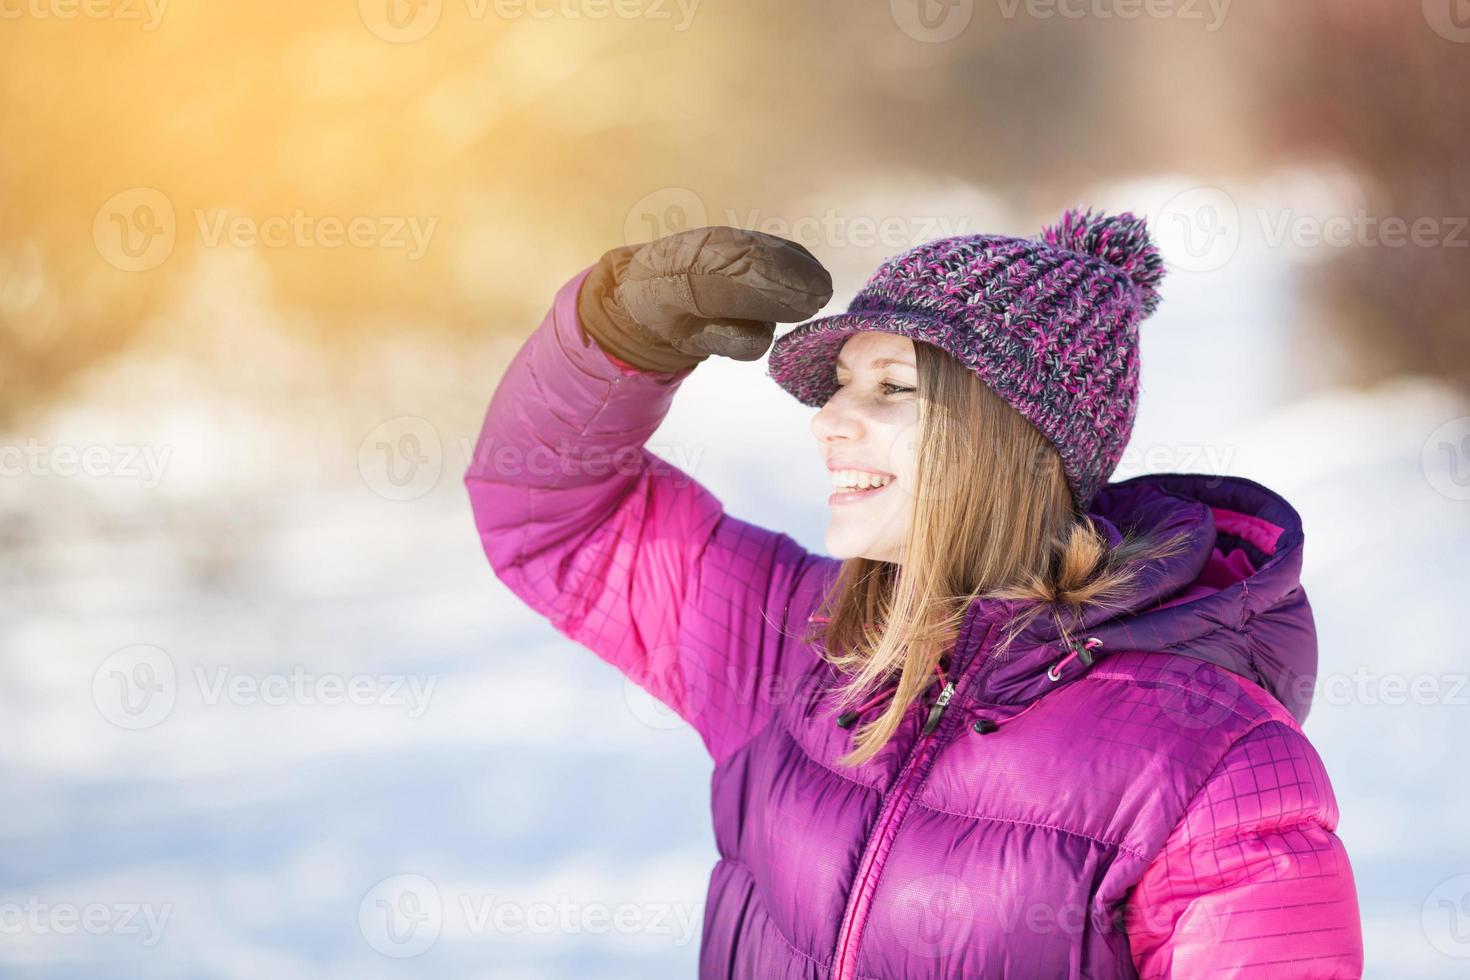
x=269, y=691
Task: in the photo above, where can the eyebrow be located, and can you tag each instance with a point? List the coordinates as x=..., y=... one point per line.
x=881, y=362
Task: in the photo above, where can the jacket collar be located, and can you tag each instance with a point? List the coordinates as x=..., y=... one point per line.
x=1231, y=598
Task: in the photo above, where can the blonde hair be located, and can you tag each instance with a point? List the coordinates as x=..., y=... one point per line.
x=991, y=515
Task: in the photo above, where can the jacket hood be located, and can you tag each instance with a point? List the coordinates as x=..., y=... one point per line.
x=1232, y=599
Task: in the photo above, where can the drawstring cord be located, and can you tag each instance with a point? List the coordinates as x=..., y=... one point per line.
x=1054, y=672
x=984, y=726
x=846, y=719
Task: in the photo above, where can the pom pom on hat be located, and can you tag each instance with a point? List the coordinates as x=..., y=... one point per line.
x=1120, y=240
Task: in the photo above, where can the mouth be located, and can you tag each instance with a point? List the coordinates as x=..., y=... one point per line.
x=852, y=486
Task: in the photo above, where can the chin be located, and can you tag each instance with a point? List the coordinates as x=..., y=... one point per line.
x=842, y=546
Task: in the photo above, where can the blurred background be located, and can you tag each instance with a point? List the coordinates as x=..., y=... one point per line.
x=261, y=269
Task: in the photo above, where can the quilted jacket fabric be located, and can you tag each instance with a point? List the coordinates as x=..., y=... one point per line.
x=1151, y=810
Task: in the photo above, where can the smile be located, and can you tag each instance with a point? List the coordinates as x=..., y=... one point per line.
x=854, y=485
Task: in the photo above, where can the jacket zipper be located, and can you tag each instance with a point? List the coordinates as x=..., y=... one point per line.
x=849, y=936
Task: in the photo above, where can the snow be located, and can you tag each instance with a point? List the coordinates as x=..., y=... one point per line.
x=270, y=838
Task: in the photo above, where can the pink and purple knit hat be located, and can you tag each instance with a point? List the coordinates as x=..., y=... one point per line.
x=1049, y=323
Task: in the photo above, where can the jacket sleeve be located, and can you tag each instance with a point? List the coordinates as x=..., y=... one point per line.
x=1253, y=881
x=623, y=552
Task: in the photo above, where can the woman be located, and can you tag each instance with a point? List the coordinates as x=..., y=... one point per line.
x=1021, y=722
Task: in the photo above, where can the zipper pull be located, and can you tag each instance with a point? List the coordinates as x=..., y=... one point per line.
x=937, y=711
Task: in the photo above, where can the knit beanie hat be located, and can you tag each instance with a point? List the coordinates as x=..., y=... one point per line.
x=1049, y=323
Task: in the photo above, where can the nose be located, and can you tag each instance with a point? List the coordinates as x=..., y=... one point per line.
x=835, y=420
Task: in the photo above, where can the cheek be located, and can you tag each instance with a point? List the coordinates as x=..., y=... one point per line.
x=900, y=426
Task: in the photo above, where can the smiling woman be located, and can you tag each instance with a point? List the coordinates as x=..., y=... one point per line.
x=978, y=503
x=1131, y=654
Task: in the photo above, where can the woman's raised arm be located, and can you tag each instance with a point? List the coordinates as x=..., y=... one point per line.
x=622, y=551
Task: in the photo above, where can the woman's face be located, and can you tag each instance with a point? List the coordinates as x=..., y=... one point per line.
x=868, y=435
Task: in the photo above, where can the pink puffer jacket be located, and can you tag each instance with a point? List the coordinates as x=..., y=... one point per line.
x=1144, y=805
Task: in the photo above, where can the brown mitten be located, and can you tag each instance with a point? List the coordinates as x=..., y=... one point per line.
x=668, y=304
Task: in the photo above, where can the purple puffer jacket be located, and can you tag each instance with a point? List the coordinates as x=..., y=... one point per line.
x=1146, y=806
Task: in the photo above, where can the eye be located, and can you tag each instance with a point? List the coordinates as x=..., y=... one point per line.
x=889, y=387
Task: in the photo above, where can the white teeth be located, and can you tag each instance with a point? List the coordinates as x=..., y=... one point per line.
x=858, y=480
